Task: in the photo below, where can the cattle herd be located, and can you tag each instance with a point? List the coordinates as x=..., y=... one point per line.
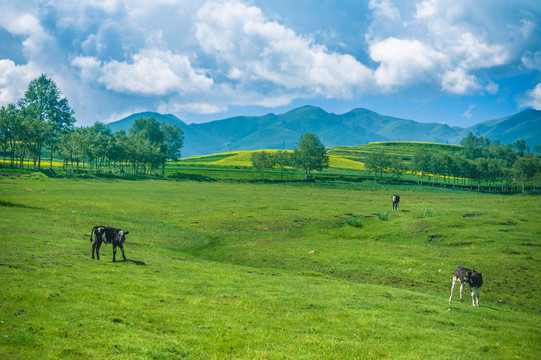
x=111, y=235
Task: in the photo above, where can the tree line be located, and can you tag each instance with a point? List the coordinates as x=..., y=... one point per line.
x=309, y=155
x=478, y=163
x=43, y=120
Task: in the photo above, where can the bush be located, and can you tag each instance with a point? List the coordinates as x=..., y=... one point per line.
x=426, y=214
x=355, y=221
x=383, y=216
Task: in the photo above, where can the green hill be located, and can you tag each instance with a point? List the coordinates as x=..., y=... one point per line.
x=358, y=126
x=525, y=125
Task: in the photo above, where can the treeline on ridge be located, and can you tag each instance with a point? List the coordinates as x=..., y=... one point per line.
x=42, y=120
x=478, y=162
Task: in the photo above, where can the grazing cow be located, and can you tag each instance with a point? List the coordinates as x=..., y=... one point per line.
x=396, y=201
x=108, y=235
x=470, y=277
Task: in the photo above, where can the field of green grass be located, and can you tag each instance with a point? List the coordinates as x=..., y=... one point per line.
x=220, y=270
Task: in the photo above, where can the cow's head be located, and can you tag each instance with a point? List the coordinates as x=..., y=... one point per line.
x=121, y=236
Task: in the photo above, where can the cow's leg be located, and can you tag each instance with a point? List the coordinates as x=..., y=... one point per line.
x=461, y=287
x=122, y=248
x=114, y=253
x=476, y=291
x=473, y=296
x=452, y=288
x=96, y=247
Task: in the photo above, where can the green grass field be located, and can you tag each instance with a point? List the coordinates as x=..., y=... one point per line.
x=220, y=270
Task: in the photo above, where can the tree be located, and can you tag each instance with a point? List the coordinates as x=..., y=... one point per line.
x=283, y=159
x=527, y=168
x=420, y=162
x=149, y=135
x=377, y=162
x=71, y=145
x=8, y=129
x=51, y=108
x=262, y=160
x=174, y=139
x=396, y=166
x=521, y=146
x=310, y=154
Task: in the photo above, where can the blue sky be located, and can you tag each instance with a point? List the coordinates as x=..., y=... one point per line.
x=458, y=62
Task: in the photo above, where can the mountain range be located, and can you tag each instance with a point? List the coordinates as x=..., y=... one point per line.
x=356, y=127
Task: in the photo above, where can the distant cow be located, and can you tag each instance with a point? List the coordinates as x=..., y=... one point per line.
x=396, y=201
x=470, y=277
x=108, y=235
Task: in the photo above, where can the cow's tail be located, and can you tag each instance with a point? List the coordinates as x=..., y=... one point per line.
x=92, y=232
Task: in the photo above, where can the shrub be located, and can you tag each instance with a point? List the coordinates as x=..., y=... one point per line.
x=355, y=221
x=383, y=216
x=426, y=214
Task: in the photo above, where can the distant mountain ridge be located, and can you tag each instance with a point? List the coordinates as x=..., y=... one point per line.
x=358, y=126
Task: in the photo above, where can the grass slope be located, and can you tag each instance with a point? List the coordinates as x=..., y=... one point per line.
x=258, y=271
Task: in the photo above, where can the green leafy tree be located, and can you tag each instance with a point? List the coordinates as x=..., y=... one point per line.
x=377, y=162
x=8, y=129
x=149, y=135
x=420, y=163
x=174, y=140
x=396, y=166
x=51, y=108
x=98, y=140
x=310, y=154
x=71, y=147
x=283, y=160
x=521, y=146
x=262, y=160
x=526, y=169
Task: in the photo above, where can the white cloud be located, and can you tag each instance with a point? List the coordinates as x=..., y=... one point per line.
x=531, y=60
x=534, y=97
x=200, y=108
x=402, y=62
x=384, y=8
x=426, y=9
x=14, y=80
x=439, y=42
x=472, y=53
x=151, y=72
x=259, y=50
x=459, y=82
x=468, y=113
x=492, y=88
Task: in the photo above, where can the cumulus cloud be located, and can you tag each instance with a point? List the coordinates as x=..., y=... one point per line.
x=384, y=9
x=441, y=41
x=14, y=80
x=154, y=72
x=459, y=82
x=533, y=97
x=402, y=61
x=258, y=50
x=531, y=60
x=426, y=9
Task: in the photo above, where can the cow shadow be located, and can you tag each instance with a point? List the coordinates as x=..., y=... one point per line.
x=136, y=262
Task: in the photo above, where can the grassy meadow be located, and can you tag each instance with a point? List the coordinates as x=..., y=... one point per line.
x=228, y=270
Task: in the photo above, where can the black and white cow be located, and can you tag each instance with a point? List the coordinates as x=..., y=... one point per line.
x=470, y=277
x=108, y=235
x=396, y=201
